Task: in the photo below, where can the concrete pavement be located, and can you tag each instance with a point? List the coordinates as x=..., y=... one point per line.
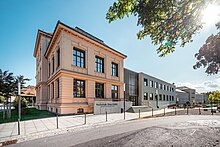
x=38, y=128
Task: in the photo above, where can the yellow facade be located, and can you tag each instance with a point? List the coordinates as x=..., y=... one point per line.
x=51, y=76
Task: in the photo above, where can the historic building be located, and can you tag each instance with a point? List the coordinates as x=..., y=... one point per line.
x=74, y=69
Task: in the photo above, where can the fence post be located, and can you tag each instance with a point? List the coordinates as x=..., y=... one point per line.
x=19, y=127
x=139, y=113
x=187, y=110
x=175, y=110
x=152, y=112
x=85, y=119
x=199, y=111
x=106, y=116
x=57, y=122
x=164, y=112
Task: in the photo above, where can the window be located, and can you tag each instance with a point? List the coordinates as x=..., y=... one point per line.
x=99, y=90
x=164, y=87
x=160, y=97
x=167, y=88
x=156, y=85
x=53, y=64
x=114, y=92
x=114, y=69
x=79, y=88
x=167, y=98
x=172, y=89
x=145, y=96
x=160, y=86
x=80, y=110
x=151, y=84
x=58, y=57
x=48, y=69
x=151, y=96
x=52, y=91
x=49, y=91
x=99, y=64
x=172, y=98
x=145, y=82
x=79, y=58
x=164, y=97
x=58, y=88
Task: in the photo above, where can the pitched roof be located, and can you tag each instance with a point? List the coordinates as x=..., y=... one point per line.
x=39, y=33
x=82, y=32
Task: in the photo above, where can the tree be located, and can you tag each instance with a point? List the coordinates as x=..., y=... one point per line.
x=9, y=87
x=169, y=23
x=215, y=97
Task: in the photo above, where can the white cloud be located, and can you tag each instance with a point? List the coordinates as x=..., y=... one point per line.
x=211, y=85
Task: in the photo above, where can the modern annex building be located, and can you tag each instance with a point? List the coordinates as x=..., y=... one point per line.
x=189, y=96
x=74, y=70
x=146, y=90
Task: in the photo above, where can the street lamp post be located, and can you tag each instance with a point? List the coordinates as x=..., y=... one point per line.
x=157, y=98
x=19, y=106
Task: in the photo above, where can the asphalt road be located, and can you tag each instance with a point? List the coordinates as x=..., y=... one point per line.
x=182, y=130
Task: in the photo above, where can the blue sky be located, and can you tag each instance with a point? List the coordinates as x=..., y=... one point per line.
x=20, y=21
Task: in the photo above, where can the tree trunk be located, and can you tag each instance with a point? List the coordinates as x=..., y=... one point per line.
x=7, y=110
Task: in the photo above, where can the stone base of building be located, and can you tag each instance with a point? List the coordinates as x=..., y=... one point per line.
x=41, y=106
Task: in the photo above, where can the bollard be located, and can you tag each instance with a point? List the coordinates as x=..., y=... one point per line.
x=106, y=116
x=175, y=110
x=139, y=113
x=57, y=121
x=199, y=111
x=164, y=112
x=152, y=112
x=187, y=110
x=19, y=127
x=85, y=119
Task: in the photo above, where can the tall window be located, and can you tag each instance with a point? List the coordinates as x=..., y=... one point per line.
x=99, y=64
x=160, y=97
x=161, y=86
x=114, y=92
x=145, y=96
x=79, y=58
x=167, y=88
x=79, y=88
x=53, y=64
x=52, y=91
x=164, y=97
x=145, y=82
x=58, y=88
x=58, y=57
x=156, y=85
x=167, y=98
x=172, y=98
x=49, y=91
x=99, y=90
x=151, y=84
x=151, y=96
x=164, y=87
x=114, y=69
x=48, y=69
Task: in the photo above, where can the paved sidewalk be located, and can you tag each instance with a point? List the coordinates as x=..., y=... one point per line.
x=39, y=128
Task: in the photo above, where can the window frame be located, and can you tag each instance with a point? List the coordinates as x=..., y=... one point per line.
x=113, y=91
x=79, y=54
x=99, y=64
x=145, y=96
x=101, y=88
x=82, y=88
x=114, y=68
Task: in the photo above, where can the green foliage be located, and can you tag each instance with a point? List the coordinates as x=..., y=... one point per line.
x=215, y=97
x=1, y=99
x=170, y=23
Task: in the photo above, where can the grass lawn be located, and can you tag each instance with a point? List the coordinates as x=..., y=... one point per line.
x=32, y=113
